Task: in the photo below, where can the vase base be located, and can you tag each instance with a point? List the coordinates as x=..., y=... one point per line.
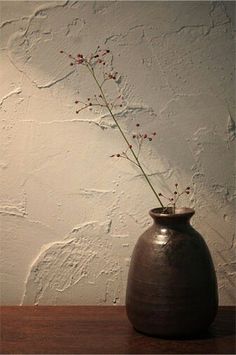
x=203, y=334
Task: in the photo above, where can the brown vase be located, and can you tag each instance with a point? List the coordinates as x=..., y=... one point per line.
x=172, y=287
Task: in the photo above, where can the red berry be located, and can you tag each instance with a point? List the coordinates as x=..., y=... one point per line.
x=145, y=135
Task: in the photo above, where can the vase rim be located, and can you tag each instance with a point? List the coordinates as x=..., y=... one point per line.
x=179, y=212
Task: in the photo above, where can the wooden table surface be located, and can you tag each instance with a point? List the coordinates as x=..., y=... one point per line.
x=100, y=330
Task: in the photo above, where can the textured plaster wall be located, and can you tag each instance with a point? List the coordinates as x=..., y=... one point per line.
x=70, y=215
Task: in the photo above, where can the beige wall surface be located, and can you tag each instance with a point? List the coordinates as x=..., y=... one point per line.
x=69, y=214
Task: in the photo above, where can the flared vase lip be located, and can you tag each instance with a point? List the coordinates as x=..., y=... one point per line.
x=182, y=212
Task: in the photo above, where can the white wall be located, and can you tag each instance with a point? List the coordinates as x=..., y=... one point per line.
x=70, y=214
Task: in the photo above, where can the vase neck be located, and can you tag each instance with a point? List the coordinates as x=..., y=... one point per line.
x=181, y=216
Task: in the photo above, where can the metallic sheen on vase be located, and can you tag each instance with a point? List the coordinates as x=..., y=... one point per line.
x=172, y=286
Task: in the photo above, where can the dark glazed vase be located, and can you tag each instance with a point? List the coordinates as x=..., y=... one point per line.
x=172, y=287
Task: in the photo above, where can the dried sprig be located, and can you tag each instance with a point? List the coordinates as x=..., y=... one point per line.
x=99, y=60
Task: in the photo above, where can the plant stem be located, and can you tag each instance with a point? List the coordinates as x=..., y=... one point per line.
x=123, y=135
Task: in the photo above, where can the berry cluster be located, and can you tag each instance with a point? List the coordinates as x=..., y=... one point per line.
x=175, y=195
x=91, y=61
x=91, y=102
x=98, y=100
x=95, y=58
x=139, y=139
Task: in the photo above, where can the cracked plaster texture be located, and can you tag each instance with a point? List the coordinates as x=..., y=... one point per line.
x=70, y=215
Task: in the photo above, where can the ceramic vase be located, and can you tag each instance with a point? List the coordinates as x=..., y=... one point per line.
x=172, y=286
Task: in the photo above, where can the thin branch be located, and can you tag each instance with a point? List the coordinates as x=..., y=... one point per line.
x=122, y=133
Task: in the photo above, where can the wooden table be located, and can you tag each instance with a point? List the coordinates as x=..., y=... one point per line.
x=100, y=330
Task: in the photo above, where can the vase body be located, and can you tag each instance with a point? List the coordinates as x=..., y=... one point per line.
x=172, y=287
